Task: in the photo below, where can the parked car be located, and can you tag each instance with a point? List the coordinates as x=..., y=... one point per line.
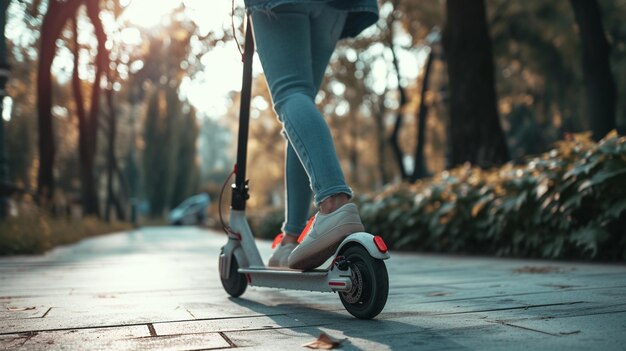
x=192, y=211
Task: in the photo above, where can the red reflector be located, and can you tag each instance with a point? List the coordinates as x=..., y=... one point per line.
x=380, y=244
x=336, y=284
x=248, y=278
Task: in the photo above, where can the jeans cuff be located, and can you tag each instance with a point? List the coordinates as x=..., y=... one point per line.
x=338, y=189
x=292, y=230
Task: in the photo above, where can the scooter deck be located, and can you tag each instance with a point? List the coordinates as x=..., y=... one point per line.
x=283, y=270
x=315, y=280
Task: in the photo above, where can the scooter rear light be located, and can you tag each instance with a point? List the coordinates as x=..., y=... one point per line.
x=380, y=244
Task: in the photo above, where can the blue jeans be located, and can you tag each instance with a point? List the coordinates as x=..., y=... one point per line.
x=294, y=43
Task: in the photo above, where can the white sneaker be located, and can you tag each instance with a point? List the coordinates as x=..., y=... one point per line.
x=280, y=255
x=324, y=236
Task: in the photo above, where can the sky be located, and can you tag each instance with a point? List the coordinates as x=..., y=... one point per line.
x=222, y=67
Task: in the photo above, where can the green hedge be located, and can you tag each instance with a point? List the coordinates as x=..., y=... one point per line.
x=567, y=203
x=266, y=224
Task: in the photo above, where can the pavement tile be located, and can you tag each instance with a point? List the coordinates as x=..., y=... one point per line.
x=77, y=339
x=104, y=293
x=227, y=324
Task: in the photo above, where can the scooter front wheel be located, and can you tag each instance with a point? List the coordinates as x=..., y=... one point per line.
x=236, y=283
x=370, y=284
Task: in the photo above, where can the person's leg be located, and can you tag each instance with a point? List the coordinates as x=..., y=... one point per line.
x=297, y=187
x=277, y=57
x=297, y=195
x=336, y=219
x=326, y=26
x=322, y=40
x=294, y=72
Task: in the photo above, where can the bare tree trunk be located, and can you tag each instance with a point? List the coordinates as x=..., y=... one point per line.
x=111, y=200
x=599, y=84
x=53, y=21
x=4, y=76
x=477, y=136
x=395, y=146
x=353, y=154
x=88, y=192
x=110, y=153
x=420, y=170
x=393, y=139
x=379, y=118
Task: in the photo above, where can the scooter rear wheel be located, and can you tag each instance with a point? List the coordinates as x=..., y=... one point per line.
x=370, y=284
x=236, y=283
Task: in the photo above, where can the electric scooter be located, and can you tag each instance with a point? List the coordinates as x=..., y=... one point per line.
x=357, y=271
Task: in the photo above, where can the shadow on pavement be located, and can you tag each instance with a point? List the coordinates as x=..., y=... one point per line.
x=373, y=333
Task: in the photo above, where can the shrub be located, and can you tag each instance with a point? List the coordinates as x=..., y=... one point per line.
x=567, y=203
x=266, y=224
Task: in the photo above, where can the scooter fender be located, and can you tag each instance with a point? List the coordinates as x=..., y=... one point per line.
x=367, y=241
x=232, y=248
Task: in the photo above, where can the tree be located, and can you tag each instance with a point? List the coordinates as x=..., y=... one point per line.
x=4, y=76
x=475, y=131
x=536, y=79
x=420, y=170
x=166, y=115
x=187, y=174
x=88, y=124
x=599, y=83
x=112, y=167
x=58, y=14
x=399, y=120
x=54, y=20
x=394, y=137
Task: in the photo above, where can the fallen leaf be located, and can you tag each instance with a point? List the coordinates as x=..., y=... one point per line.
x=324, y=342
x=17, y=309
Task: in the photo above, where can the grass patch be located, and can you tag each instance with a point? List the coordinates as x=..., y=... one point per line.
x=35, y=233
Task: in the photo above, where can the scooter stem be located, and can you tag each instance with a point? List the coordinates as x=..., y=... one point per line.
x=240, y=188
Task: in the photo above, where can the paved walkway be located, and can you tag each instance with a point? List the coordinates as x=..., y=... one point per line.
x=158, y=288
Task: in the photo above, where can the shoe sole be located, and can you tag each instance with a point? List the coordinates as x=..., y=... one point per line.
x=318, y=251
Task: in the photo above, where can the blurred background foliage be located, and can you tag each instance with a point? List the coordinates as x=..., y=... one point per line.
x=391, y=97
x=566, y=203
x=569, y=202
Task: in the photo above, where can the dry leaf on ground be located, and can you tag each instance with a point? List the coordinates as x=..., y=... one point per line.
x=324, y=342
x=17, y=309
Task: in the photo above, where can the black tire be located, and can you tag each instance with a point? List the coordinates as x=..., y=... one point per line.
x=370, y=284
x=236, y=283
